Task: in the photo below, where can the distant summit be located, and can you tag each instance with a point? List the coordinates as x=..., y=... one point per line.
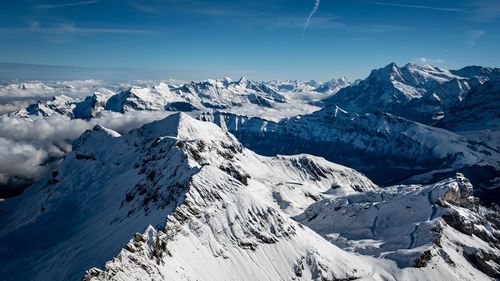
x=420, y=93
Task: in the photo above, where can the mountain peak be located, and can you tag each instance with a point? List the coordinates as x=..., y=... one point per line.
x=343, y=79
x=410, y=65
x=102, y=129
x=332, y=110
x=391, y=66
x=429, y=67
x=242, y=80
x=388, y=73
x=182, y=127
x=226, y=81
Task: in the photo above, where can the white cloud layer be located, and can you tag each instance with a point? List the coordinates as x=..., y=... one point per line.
x=430, y=61
x=12, y=106
x=29, y=149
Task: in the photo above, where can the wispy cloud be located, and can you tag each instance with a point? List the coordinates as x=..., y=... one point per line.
x=474, y=35
x=255, y=14
x=34, y=25
x=311, y=14
x=379, y=28
x=486, y=10
x=68, y=28
x=63, y=5
x=192, y=6
x=430, y=61
x=479, y=10
x=446, y=9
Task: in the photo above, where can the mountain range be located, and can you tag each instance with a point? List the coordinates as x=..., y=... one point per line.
x=205, y=95
x=182, y=199
x=419, y=93
x=389, y=149
x=393, y=177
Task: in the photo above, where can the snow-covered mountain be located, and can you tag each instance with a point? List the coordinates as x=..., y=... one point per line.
x=333, y=86
x=75, y=88
x=293, y=86
x=480, y=72
x=389, y=149
x=416, y=225
x=217, y=210
x=187, y=97
x=419, y=93
x=182, y=199
x=298, y=86
x=276, y=100
x=477, y=116
x=15, y=95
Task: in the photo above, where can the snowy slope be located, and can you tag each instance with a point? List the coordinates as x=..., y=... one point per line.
x=387, y=148
x=298, y=86
x=439, y=224
x=292, y=86
x=333, y=86
x=419, y=93
x=16, y=95
x=180, y=199
x=477, y=116
x=226, y=93
x=223, y=206
x=482, y=73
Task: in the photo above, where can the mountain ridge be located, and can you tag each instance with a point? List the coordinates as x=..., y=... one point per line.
x=180, y=198
x=420, y=93
x=360, y=140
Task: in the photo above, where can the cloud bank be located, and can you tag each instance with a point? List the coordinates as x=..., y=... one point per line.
x=30, y=149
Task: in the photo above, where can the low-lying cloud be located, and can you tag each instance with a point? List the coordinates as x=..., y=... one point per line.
x=30, y=149
x=14, y=105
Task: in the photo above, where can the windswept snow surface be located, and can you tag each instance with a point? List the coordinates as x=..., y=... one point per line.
x=182, y=199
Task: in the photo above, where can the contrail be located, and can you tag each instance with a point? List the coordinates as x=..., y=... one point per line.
x=314, y=10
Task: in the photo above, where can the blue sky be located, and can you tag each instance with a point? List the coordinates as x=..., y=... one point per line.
x=259, y=39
